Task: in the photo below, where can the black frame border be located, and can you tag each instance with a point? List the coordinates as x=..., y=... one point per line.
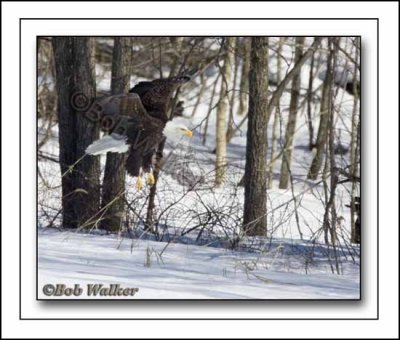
x=182, y=302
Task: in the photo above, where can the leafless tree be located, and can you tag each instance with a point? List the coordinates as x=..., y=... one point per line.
x=226, y=71
x=114, y=174
x=255, y=177
x=291, y=124
x=75, y=84
x=324, y=115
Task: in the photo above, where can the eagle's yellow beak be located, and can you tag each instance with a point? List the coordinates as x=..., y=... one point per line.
x=188, y=133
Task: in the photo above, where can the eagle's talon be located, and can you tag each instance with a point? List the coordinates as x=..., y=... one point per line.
x=139, y=183
x=150, y=179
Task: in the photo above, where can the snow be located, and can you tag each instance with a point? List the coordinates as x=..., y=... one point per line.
x=184, y=271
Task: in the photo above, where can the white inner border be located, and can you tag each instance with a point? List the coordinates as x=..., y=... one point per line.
x=388, y=125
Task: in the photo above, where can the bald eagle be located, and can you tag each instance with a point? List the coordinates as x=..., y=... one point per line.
x=137, y=122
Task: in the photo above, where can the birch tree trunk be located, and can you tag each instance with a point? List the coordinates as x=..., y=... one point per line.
x=255, y=178
x=229, y=46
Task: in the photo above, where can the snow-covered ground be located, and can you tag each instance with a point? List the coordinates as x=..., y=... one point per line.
x=196, y=257
x=188, y=271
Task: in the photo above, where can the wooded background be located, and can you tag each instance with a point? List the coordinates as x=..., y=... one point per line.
x=263, y=87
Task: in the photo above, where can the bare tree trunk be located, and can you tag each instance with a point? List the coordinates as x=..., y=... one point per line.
x=309, y=103
x=150, y=223
x=75, y=85
x=273, y=148
x=231, y=133
x=330, y=169
x=226, y=71
x=177, y=43
x=244, y=79
x=274, y=101
x=210, y=108
x=291, y=124
x=203, y=82
x=324, y=115
x=231, y=122
x=330, y=216
x=114, y=174
x=277, y=117
x=289, y=77
x=333, y=176
x=354, y=149
x=255, y=178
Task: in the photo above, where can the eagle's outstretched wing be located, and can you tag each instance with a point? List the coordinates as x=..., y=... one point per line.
x=125, y=112
x=127, y=121
x=122, y=105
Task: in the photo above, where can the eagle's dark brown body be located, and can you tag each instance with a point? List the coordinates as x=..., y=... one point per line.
x=143, y=113
x=155, y=97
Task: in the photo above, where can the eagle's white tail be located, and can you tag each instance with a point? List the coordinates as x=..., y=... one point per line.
x=108, y=143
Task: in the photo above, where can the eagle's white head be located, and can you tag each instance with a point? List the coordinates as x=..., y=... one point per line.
x=174, y=131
